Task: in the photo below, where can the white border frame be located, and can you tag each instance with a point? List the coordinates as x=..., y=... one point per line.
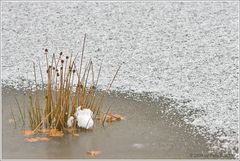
x=1, y=4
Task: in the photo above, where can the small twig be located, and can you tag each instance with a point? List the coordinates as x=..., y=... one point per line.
x=39, y=64
x=83, y=47
x=15, y=124
x=98, y=74
x=92, y=73
x=105, y=116
x=113, y=78
x=20, y=111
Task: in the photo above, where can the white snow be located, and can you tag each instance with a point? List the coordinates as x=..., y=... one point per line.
x=84, y=118
x=180, y=50
x=70, y=121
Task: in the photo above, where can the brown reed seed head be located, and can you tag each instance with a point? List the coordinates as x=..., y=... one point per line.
x=56, y=70
x=53, y=68
x=81, y=86
x=49, y=66
x=74, y=70
x=57, y=74
x=46, y=50
x=47, y=70
x=62, y=61
x=61, y=53
x=67, y=57
x=93, y=87
x=61, y=68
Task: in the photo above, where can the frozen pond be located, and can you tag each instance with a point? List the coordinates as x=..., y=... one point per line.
x=147, y=133
x=184, y=51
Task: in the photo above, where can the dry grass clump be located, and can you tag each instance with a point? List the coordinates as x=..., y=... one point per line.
x=63, y=96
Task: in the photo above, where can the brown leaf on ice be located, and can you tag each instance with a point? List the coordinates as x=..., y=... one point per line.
x=36, y=139
x=44, y=139
x=119, y=117
x=55, y=133
x=31, y=140
x=116, y=117
x=93, y=153
x=110, y=118
x=27, y=132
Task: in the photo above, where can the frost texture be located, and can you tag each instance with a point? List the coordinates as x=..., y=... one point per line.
x=178, y=50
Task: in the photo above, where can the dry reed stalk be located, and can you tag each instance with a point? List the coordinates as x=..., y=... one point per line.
x=36, y=128
x=98, y=75
x=105, y=92
x=83, y=47
x=39, y=64
x=19, y=110
x=106, y=116
x=37, y=103
x=13, y=117
x=61, y=96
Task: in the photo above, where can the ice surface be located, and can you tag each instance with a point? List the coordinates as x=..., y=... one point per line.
x=177, y=50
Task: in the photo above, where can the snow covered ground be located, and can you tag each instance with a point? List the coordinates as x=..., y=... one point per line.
x=184, y=51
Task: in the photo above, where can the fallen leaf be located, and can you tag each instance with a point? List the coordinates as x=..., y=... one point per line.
x=110, y=118
x=31, y=140
x=119, y=117
x=55, y=133
x=116, y=117
x=27, y=132
x=36, y=139
x=93, y=153
x=44, y=139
